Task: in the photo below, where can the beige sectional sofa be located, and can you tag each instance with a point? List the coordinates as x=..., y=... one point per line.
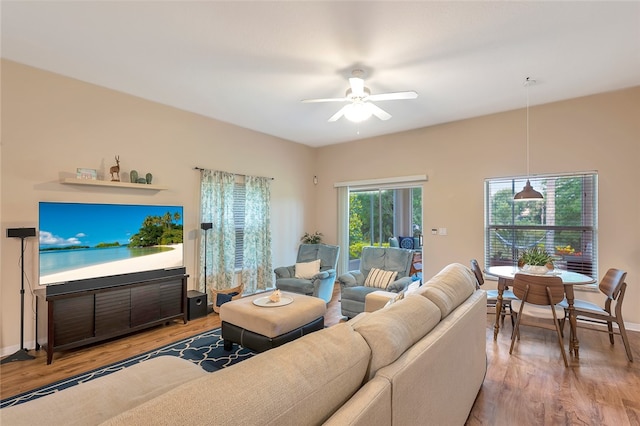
x=418, y=360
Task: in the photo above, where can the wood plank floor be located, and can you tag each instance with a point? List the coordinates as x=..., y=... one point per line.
x=530, y=387
x=533, y=387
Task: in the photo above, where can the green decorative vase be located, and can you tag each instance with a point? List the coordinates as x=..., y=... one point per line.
x=134, y=176
x=149, y=177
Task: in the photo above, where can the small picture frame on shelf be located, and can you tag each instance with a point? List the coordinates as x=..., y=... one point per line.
x=88, y=174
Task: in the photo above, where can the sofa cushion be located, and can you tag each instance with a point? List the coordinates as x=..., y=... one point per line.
x=300, y=383
x=357, y=318
x=389, y=259
x=296, y=285
x=390, y=331
x=97, y=400
x=307, y=270
x=327, y=254
x=380, y=278
x=449, y=287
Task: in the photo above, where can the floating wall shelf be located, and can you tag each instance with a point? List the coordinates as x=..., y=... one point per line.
x=90, y=182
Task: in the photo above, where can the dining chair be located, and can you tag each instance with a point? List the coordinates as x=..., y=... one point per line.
x=492, y=295
x=538, y=297
x=613, y=286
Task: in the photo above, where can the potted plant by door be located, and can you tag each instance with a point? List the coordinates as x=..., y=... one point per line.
x=535, y=260
x=315, y=238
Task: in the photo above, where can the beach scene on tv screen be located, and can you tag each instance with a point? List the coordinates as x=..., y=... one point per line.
x=81, y=241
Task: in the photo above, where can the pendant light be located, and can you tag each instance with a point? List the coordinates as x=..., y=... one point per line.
x=528, y=193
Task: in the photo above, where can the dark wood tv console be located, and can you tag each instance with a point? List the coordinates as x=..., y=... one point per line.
x=102, y=311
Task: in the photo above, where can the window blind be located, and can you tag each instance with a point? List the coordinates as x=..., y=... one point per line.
x=564, y=223
x=238, y=218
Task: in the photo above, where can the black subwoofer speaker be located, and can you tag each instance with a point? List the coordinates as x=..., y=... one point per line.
x=196, y=304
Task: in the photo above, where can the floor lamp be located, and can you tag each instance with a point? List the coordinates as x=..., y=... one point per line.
x=22, y=354
x=205, y=227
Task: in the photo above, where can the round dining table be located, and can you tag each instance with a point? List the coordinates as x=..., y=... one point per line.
x=505, y=275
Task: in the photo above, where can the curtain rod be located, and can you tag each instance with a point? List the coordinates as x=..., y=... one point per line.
x=239, y=174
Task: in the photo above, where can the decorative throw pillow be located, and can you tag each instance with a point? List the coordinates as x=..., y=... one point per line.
x=222, y=298
x=400, y=296
x=307, y=270
x=380, y=278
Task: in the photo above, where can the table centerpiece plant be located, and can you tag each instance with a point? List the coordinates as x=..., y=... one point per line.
x=535, y=260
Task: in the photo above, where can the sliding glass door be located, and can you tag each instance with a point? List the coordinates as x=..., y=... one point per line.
x=378, y=214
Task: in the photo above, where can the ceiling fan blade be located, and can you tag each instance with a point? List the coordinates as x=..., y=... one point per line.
x=357, y=86
x=309, y=101
x=377, y=111
x=393, y=96
x=337, y=115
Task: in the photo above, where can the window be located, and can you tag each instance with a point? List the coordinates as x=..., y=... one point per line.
x=564, y=223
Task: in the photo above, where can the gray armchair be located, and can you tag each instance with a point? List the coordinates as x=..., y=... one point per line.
x=321, y=285
x=387, y=258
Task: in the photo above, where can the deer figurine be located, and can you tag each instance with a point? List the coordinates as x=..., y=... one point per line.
x=115, y=170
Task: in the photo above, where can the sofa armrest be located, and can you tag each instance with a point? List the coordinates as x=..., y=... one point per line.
x=285, y=271
x=323, y=275
x=351, y=279
x=400, y=285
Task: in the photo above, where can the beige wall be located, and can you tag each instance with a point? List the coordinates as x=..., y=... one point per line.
x=597, y=133
x=51, y=125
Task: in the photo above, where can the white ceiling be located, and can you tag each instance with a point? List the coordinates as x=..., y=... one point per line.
x=250, y=63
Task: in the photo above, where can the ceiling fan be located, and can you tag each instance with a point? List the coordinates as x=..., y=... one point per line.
x=360, y=106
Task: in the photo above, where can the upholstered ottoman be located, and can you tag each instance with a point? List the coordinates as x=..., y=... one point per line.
x=377, y=300
x=261, y=326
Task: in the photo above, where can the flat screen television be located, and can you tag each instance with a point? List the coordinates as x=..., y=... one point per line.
x=80, y=241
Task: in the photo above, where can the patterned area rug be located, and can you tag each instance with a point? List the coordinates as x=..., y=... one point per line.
x=205, y=349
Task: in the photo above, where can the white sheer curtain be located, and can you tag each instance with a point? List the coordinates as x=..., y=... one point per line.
x=216, y=206
x=343, y=229
x=256, y=267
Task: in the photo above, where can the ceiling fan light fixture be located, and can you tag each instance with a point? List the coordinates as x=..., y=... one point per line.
x=366, y=92
x=361, y=103
x=357, y=112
